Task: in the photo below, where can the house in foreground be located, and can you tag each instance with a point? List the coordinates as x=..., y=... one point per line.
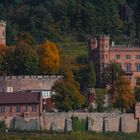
x=20, y=104
x=33, y=84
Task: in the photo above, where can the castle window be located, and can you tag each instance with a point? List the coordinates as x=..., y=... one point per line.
x=18, y=109
x=128, y=56
x=137, y=56
x=128, y=67
x=138, y=67
x=117, y=56
x=102, y=46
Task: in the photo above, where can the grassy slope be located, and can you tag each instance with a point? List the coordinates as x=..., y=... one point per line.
x=71, y=48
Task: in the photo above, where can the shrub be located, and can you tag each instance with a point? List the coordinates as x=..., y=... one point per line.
x=100, y=95
x=2, y=125
x=79, y=124
x=91, y=109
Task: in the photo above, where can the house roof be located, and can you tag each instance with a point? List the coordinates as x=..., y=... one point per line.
x=20, y=98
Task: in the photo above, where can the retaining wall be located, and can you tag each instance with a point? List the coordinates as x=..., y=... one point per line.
x=62, y=122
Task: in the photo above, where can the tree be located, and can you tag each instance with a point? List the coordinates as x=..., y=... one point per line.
x=137, y=90
x=121, y=94
x=100, y=99
x=86, y=75
x=50, y=60
x=3, y=51
x=68, y=96
x=90, y=77
x=2, y=125
x=111, y=73
x=23, y=60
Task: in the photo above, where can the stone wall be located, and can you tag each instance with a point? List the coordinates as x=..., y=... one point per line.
x=21, y=83
x=97, y=122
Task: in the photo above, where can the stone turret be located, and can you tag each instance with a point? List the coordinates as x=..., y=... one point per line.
x=92, y=43
x=104, y=48
x=2, y=32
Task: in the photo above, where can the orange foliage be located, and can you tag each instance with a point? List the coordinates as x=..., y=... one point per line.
x=121, y=93
x=50, y=58
x=2, y=49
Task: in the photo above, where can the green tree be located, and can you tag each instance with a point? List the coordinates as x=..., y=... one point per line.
x=3, y=55
x=137, y=90
x=90, y=77
x=2, y=125
x=86, y=75
x=121, y=94
x=137, y=19
x=23, y=60
x=68, y=95
x=99, y=98
x=111, y=73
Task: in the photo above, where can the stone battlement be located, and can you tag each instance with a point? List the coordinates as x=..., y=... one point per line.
x=31, y=82
x=30, y=77
x=125, y=47
x=104, y=36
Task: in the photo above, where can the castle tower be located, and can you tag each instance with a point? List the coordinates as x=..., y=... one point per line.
x=2, y=32
x=103, y=53
x=92, y=43
x=104, y=49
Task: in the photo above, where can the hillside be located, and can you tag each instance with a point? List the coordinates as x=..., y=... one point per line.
x=55, y=19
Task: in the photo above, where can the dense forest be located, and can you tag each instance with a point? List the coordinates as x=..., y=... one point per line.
x=54, y=19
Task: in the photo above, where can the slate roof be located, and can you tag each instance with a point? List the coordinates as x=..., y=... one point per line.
x=20, y=98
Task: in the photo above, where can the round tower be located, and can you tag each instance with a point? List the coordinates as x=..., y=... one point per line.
x=2, y=33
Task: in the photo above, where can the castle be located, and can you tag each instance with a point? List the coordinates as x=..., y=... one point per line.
x=2, y=32
x=102, y=52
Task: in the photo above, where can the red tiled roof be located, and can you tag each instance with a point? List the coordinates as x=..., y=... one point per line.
x=20, y=98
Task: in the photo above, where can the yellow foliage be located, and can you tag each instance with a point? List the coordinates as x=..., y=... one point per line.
x=121, y=93
x=50, y=58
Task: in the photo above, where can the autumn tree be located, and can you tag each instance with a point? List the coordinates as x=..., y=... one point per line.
x=121, y=94
x=50, y=59
x=111, y=73
x=68, y=96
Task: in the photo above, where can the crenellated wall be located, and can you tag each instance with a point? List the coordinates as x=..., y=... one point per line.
x=19, y=83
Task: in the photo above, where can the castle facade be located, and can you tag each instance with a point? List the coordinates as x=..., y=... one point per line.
x=102, y=52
